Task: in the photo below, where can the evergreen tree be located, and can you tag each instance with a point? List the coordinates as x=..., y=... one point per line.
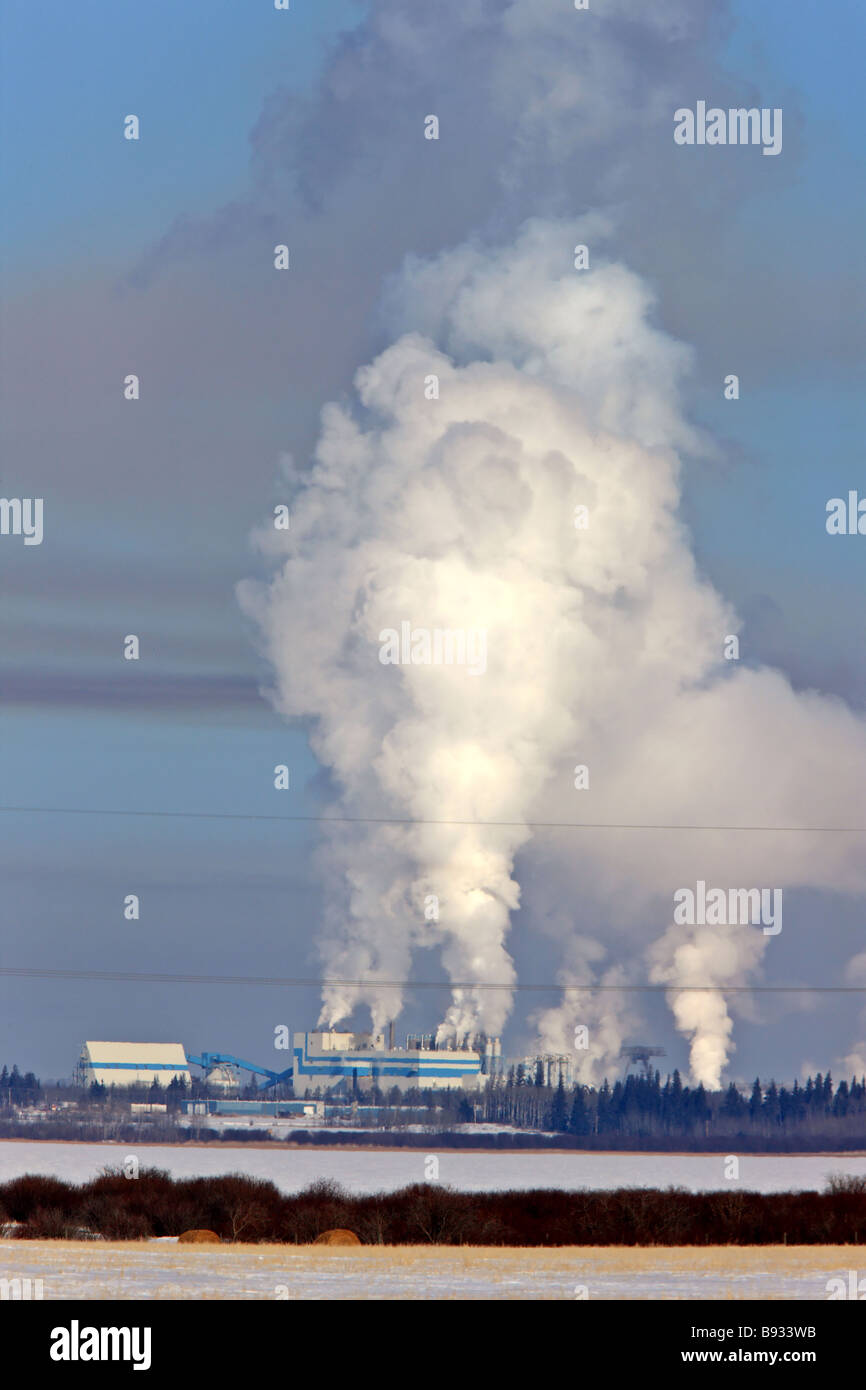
x=603, y=1108
x=578, y=1122
x=733, y=1105
x=672, y=1102
x=818, y=1093
x=771, y=1107
x=677, y=1096
x=840, y=1104
x=787, y=1105
x=559, y=1109
x=699, y=1105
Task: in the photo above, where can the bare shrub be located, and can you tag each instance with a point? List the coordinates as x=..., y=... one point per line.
x=846, y=1183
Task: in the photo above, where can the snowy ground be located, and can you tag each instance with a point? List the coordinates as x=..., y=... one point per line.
x=374, y=1170
x=137, y=1270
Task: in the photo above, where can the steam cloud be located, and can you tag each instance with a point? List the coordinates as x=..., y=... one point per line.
x=604, y=645
x=457, y=513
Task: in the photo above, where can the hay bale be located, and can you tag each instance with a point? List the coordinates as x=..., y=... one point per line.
x=199, y=1238
x=337, y=1237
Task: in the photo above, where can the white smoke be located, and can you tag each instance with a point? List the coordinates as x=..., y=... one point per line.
x=555, y=391
x=701, y=958
x=740, y=749
x=602, y=1014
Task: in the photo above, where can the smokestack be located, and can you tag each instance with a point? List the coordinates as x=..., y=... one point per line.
x=391, y=1036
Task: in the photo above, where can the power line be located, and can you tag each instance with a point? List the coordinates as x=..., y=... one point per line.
x=145, y=977
x=397, y=820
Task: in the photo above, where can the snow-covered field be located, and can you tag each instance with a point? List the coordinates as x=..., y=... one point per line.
x=89, y=1270
x=371, y=1170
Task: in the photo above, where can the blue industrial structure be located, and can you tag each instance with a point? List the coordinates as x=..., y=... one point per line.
x=211, y=1061
x=345, y=1061
x=275, y=1108
x=360, y=1061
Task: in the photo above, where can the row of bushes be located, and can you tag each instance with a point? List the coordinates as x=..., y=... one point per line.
x=94, y=1131
x=240, y=1208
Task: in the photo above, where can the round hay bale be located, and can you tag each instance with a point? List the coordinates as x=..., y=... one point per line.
x=337, y=1237
x=198, y=1238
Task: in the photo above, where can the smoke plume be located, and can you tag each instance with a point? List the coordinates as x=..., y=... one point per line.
x=519, y=393
x=456, y=511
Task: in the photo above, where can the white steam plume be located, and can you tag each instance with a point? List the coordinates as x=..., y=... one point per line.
x=457, y=513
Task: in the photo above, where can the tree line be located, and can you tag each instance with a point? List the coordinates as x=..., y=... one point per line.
x=16, y=1089
x=642, y=1106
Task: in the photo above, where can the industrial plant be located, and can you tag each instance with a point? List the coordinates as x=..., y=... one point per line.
x=367, y=1060
x=323, y=1060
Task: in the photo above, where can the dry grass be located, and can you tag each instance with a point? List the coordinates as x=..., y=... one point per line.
x=136, y=1270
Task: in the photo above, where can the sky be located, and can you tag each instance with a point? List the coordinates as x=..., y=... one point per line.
x=156, y=257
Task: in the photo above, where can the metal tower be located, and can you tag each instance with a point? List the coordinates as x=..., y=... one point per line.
x=640, y=1052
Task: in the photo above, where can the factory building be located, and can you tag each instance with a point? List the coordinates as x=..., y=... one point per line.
x=304, y=1109
x=132, y=1064
x=363, y=1060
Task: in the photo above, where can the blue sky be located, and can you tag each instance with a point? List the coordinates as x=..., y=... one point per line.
x=194, y=72
x=802, y=433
